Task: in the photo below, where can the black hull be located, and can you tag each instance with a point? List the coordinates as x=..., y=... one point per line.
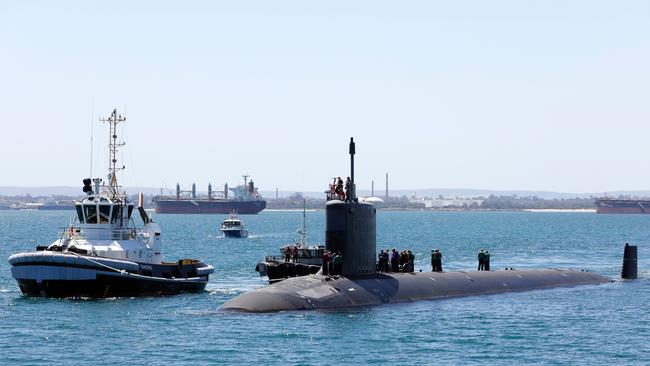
x=109, y=286
x=278, y=271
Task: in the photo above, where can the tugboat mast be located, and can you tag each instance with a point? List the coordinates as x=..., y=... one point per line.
x=303, y=233
x=113, y=147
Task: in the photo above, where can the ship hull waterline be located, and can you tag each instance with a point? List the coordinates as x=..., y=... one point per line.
x=60, y=282
x=317, y=292
x=622, y=206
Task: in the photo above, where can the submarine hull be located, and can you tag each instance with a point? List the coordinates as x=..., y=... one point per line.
x=323, y=292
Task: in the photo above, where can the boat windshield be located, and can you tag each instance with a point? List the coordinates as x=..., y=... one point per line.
x=104, y=213
x=80, y=214
x=90, y=211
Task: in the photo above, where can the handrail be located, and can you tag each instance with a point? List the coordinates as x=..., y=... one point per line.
x=111, y=233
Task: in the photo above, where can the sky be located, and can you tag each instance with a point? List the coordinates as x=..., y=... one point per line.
x=505, y=95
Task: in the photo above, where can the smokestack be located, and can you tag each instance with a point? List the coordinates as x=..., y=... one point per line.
x=193, y=190
x=372, y=190
x=209, y=191
x=276, y=194
x=178, y=191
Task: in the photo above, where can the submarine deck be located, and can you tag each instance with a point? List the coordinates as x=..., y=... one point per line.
x=323, y=292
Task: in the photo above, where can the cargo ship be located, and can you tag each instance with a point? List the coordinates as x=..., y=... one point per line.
x=622, y=206
x=244, y=200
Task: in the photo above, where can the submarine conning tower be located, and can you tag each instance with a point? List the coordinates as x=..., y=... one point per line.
x=351, y=229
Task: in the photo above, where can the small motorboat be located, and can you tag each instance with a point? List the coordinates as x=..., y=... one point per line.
x=103, y=253
x=233, y=227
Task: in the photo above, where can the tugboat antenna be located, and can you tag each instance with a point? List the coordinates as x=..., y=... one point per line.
x=353, y=195
x=303, y=234
x=113, y=147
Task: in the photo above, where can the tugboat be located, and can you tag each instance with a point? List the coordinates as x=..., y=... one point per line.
x=102, y=253
x=233, y=227
x=295, y=260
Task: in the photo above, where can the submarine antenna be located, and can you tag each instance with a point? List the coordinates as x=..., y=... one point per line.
x=353, y=195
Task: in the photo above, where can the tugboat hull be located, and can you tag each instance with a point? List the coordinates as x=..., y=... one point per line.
x=109, y=285
x=48, y=274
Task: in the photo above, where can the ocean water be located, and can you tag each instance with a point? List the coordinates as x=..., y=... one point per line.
x=590, y=325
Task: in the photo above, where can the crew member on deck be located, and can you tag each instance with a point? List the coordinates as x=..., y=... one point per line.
x=348, y=187
x=339, y=188
x=394, y=261
x=486, y=266
x=287, y=254
x=338, y=263
x=438, y=260
x=481, y=260
x=294, y=253
x=411, y=261
x=433, y=261
x=326, y=263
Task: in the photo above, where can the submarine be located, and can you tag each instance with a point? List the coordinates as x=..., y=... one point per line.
x=351, y=230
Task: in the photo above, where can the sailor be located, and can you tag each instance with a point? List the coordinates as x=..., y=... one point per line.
x=339, y=188
x=411, y=261
x=394, y=261
x=287, y=254
x=486, y=266
x=433, y=261
x=438, y=260
x=380, y=261
x=338, y=263
x=326, y=262
x=481, y=260
x=332, y=191
x=294, y=253
x=348, y=186
x=387, y=267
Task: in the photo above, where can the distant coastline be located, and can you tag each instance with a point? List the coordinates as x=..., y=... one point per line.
x=295, y=202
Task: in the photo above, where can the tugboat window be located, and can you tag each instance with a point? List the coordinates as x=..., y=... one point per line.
x=91, y=214
x=104, y=213
x=80, y=214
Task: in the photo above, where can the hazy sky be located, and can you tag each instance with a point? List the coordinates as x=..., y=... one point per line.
x=537, y=95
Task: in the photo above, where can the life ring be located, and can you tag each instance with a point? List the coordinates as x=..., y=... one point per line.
x=133, y=234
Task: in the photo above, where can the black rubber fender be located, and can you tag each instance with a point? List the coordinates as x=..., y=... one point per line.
x=262, y=268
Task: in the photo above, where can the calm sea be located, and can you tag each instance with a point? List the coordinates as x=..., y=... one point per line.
x=591, y=325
